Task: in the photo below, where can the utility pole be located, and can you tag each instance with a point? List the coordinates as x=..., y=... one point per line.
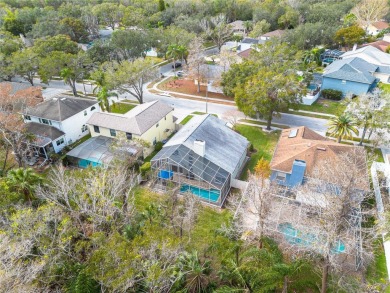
x=207, y=88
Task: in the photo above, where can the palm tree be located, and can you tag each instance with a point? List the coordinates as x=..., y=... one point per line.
x=103, y=98
x=24, y=181
x=342, y=126
x=175, y=53
x=193, y=272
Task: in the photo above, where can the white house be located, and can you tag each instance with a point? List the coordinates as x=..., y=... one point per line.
x=59, y=121
x=376, y=27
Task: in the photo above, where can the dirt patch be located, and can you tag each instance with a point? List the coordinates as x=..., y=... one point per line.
x=187, y=86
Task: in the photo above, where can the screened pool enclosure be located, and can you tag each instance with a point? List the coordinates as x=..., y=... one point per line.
x=179, y=166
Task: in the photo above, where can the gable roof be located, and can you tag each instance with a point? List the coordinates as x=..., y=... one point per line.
x=381, y=25
x=370, y=54
x=307, y=146
x=60, y=108
x=275, y=33
x=223, y=146
x=352, y=69
x=245, y=54
x=137, y=121
x=380, y=45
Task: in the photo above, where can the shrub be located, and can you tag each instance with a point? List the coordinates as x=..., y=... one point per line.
x=145, y=168
x=332, y=94
x=158, y=146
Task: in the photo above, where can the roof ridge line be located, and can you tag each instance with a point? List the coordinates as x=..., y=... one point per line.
x=152, y=103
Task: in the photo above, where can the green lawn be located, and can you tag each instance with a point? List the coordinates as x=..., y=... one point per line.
x=384, y=87
x=377, y=271
x=263, y=142
x=121, y=108
x=186, y=119
x=324, y=106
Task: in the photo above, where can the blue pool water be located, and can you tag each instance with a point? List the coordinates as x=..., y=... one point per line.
x=212, y=194
x=312, y=87
x=294, y=236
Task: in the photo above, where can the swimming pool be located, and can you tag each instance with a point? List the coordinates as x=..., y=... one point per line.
x=312, y=87
x=294, y=236
x=211, y=195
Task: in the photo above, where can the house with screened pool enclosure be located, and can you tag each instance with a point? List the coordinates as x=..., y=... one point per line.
x=203, y=158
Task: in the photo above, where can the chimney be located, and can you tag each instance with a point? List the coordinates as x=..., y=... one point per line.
x=199, y=147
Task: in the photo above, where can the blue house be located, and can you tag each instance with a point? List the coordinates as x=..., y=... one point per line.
x=352, y=75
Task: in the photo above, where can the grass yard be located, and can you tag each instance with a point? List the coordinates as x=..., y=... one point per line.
x=324, y=106
x=377, y=271
x=384, y=87
x=121, y=108
x=263, y=142
x=186, y=119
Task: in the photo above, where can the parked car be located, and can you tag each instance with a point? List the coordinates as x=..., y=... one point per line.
x=176, y=65
x=180, y=73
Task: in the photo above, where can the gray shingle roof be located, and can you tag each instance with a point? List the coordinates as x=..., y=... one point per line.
x=371, y=54
x=17, y=86
x=137, y=121
x=60, y=108
x=352, y=69
x=224, y=147
x=43, y=130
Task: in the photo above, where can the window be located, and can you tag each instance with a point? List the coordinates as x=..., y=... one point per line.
x=27, y=117
x=281, y=176
x=112, y=132
x=85, y=112
x=156, y=125
x=96, y=129
x=60, y=141
x=129, y=135
x=84, y=128
x=45, y=121
x=93, y=108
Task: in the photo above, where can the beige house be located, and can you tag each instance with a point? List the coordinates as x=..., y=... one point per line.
x=150, y=122
x=376, y=27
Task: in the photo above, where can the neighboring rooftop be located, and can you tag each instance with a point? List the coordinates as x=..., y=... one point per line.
x=250, y=41
x=16, y=86
x=245, y=54
x=380, y=25
x=304, y=144
x=43, y=130
x=137, y=121
x=352, y=69
x=43, y=134
x=370, y=54
x=60, y=108
x=223, y=146
x=275, y=33
x=380, y=45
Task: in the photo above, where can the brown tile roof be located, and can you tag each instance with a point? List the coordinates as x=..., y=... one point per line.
x=245, y=54
x=381, y=45
x=380, y=25
x=307, y=146
x=276, y=33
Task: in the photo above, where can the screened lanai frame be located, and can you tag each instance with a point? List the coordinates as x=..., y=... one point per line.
x=185, y=167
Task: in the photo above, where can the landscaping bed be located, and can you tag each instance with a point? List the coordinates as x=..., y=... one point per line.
x=186, y=86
